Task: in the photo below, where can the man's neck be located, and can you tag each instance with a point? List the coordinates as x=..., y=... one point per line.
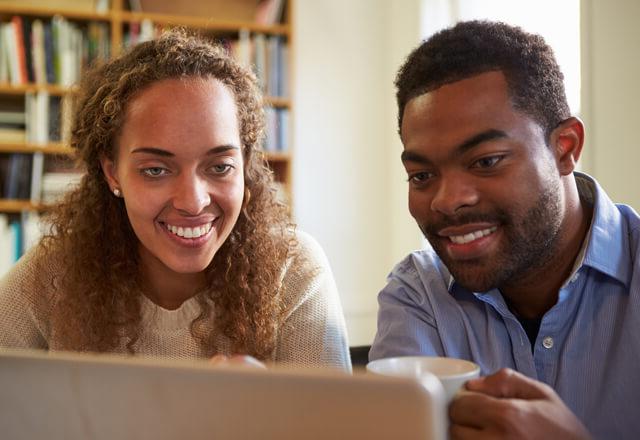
x=534, y=294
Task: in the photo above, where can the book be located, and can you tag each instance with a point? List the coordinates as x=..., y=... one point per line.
x=17, y=24
x=49, y=48
x=12, y=135
x=4, y=58
x=260, y=59
x=269, y=12
x=13, y=178
x=54, y=124
x=6, y=250
x=283, y=130
x=12, y=117
x=38, y=58
x=56, y=183
x=9, y=37
x=37, y=168
x=27, y=44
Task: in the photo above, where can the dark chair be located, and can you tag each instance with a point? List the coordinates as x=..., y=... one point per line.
x=359, y=355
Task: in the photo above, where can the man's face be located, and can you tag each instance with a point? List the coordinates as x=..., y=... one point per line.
x=483, y=185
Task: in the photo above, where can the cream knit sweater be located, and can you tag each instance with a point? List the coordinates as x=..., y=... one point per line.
x=313, y=333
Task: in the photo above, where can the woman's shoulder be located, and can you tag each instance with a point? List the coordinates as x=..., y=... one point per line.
x=307, y=245
x=34, y=274
x=306, y=254
x=307, y=267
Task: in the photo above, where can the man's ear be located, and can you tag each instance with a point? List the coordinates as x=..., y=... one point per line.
x=567, y=140
x=109, y=170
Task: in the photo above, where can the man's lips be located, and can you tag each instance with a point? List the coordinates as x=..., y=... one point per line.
x=470, y=241
x=468, y=232
x=468, y=237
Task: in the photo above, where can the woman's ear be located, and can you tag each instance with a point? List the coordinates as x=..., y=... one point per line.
x=109, y=170
x=567, y=140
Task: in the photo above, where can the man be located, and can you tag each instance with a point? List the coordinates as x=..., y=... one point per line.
x=531, y=266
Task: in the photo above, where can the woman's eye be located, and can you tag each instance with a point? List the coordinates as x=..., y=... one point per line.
x=154, y=171
x=222, y=168
x=487, y=162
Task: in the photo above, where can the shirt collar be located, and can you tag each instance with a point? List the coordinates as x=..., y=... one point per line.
x=607, y=239
x=608, y=246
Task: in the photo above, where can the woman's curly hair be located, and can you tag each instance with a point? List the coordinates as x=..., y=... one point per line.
x=99, y=307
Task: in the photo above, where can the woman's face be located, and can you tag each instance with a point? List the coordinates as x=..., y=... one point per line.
x=179, y=168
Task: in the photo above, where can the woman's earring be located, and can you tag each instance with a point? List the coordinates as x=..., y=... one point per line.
x=116, y=192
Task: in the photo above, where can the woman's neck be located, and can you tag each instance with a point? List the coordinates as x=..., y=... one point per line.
x=167, y=288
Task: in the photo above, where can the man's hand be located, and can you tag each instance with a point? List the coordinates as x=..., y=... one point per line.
x=239, y=360
x=508, y=405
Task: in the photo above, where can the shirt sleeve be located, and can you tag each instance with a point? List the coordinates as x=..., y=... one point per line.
x=313, y=332
x=406, y=325
x=21, y=306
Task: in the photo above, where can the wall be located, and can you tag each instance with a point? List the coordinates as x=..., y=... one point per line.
x=349, y=190
x=610, y=95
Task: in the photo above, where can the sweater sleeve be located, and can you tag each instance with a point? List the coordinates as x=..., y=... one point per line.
x=313, y=332
x=24, y=304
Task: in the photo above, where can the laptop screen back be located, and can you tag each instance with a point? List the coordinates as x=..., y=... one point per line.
x=73, y=396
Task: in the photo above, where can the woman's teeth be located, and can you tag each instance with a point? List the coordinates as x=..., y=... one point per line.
x=196, y=232
x=466, y=238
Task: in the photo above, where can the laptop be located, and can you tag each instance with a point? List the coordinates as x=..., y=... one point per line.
x=79, y=396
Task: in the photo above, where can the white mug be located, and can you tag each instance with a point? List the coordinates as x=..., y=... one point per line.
x=451, y=372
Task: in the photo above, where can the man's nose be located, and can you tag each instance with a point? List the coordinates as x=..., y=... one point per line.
x=452, y=193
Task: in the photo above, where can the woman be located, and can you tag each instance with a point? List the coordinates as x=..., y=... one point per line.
x=174, y=244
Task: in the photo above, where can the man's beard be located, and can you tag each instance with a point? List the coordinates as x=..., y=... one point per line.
x=529, y=241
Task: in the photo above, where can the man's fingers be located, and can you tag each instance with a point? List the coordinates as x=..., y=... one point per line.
x=507, y=383
x=458, y=432
x=473, y=410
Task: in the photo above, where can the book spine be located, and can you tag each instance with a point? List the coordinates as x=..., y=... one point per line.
x=49, y=48
x=16, y=22
x=37, y=52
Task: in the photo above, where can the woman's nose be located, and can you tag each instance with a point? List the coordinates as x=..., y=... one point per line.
x=191, y=195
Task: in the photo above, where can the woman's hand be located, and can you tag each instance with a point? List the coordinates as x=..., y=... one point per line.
x=240, y=360
x=508, y=405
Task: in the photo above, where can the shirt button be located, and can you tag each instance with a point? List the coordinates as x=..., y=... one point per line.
x=547, y=342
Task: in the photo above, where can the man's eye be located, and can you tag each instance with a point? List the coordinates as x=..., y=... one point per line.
x=154, y=172
x=487, y=162
x=418, y=178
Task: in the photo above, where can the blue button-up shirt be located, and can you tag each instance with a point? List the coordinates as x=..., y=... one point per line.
x=588, y=346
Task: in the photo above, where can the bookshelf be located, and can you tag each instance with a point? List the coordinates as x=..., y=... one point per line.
x=102, y=29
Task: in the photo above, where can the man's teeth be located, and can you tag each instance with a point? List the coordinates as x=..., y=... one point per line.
x=466, y=238
x=196, y=232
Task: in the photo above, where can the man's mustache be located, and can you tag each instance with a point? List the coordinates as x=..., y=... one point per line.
x=432, y=228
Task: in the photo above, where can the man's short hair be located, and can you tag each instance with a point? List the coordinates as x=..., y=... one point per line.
x=473, y=47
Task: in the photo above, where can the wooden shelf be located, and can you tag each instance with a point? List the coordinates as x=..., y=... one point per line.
x=16, y=206
x=208, y=24
x=277, y=102
x=35, y=11
x=21, y=89
x=277, y=157
x=59, y=149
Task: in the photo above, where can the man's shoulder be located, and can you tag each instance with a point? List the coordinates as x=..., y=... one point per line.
x=420, y=261
x=422, y=270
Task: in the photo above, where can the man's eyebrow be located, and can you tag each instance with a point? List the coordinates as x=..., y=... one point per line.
x=164, y=153
x=488, y=135
x=411, y=156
